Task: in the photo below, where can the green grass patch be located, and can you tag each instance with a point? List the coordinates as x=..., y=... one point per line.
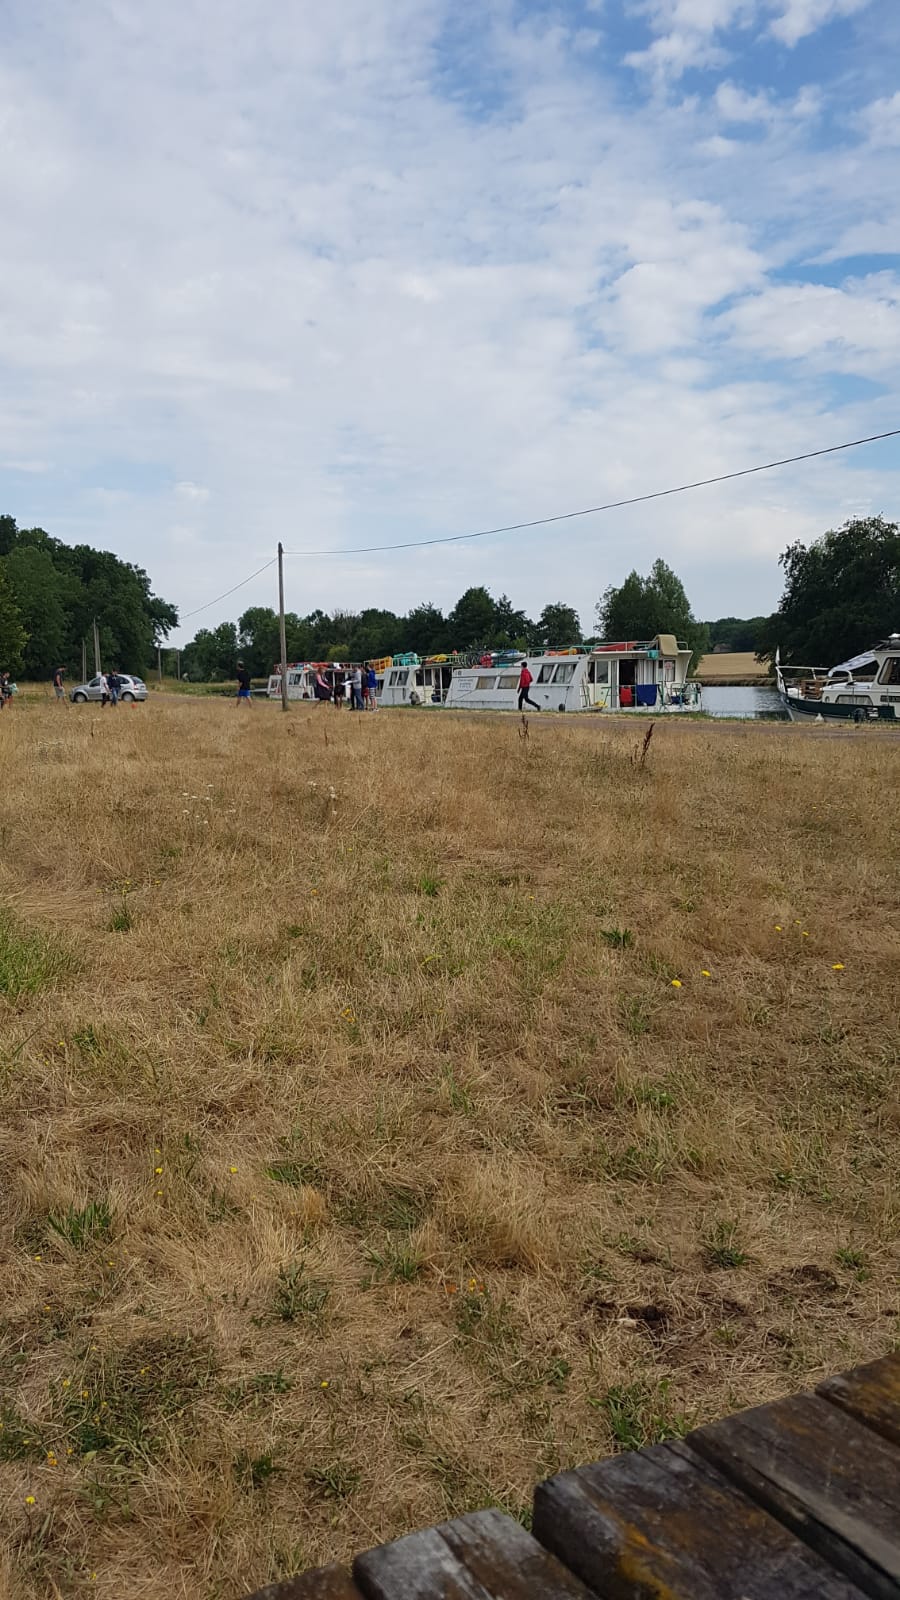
x=299, y=1297
x=125, y=1402
x=30, y=961
x=640, y=1414
x=82, y=1226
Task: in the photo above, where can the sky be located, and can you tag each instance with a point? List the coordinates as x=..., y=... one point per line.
x=383, y=270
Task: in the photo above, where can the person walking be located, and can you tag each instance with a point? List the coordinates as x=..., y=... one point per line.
x=525, y=682
x=59, y=688
x=115, y=683
x=372, y=683
x=356, y=699
x=104, y=689
x=5, y=690
x=243, y=685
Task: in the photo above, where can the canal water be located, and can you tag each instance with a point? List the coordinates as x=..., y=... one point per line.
x=741, y=701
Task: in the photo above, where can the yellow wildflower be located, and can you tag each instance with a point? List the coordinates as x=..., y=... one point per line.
x=778, y=927
x=704, y=973
x=838, y=966
x=29, y=1500
x=232, y=1169
x=324, y=1384
x=676, y=983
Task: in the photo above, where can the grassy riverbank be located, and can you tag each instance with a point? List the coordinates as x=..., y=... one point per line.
x=394, y=1110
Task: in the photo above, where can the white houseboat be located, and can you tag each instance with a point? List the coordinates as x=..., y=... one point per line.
x=863, y=688
x=409, y=681
x=628, y=676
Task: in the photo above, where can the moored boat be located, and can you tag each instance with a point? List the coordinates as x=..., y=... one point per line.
x=865, y=688
x=630, y=675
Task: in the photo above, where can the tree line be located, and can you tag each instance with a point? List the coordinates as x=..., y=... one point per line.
x=50, y=595
x=841, y=593
x=638, y=609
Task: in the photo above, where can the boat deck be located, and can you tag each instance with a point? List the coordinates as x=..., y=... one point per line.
x=799, y=1500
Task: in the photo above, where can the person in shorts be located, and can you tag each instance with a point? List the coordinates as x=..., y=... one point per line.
x=372, y=686
x=59, y=688
x=243, y=685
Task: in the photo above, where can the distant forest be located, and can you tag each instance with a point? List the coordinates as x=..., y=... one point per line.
x=841, y=593
x=639, y=608
x=50, y=594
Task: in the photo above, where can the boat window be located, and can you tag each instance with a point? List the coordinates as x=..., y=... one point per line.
x=546, y=674
x=852, y=700
x=486, y=683
x=599, y=672
x=295, y=677
x=510, y=680
x=396, y=678
x=890, y=672
x=565, y=674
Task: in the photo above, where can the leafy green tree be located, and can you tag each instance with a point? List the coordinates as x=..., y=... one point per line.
x=423, y=629
x=13, y=638
x=60, y=589
x=643, y=607
x=212, y=656
x=259, y=640
x=472, y=620
x=42, y=596
x=841, y=594
x=559, y=624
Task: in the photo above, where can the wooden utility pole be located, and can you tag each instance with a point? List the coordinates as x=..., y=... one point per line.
x=159, y=662
x=281, y=628
x=84, y=660
x=96, y=648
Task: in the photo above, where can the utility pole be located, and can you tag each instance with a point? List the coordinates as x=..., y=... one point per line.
x=159, y=663
x=84, y=660
x=281, y=629
x=96, y=648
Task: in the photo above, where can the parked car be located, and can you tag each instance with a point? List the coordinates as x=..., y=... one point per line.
x=130, y=688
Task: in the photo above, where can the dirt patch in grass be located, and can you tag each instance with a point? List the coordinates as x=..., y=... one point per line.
x=429, y=1110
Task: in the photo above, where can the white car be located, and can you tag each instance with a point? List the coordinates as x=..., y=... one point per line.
x=130, y=688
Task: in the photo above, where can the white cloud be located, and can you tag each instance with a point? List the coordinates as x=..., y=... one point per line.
x=329, y=279
x=881, y=121
x=797, y=18
x=854, y=329
x=737, y=105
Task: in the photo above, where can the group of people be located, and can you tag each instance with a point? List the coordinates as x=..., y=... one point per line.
x=359, y=686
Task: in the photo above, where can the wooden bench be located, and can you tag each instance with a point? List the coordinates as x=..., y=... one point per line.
x=794, y=1501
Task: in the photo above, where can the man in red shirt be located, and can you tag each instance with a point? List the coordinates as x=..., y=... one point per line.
x=525, y=682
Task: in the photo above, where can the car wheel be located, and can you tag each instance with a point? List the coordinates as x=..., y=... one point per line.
x=79, y=699
x=127, y=695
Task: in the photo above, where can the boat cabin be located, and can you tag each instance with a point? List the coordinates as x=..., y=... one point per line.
x=871, y=679
x=409, y=681
x=626, y=676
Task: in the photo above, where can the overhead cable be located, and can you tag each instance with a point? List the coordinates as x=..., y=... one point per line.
x=589, y=511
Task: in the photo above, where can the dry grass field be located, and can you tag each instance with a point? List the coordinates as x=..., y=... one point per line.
x=394, y=1111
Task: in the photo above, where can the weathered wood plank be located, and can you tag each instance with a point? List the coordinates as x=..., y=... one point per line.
x=832, y=1480
x=870, y=1393
x=483, y=1556
x=325, y=1583
x=656, y=1526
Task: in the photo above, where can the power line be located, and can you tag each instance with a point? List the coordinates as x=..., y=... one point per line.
x=589, y=511
x=224, y=596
